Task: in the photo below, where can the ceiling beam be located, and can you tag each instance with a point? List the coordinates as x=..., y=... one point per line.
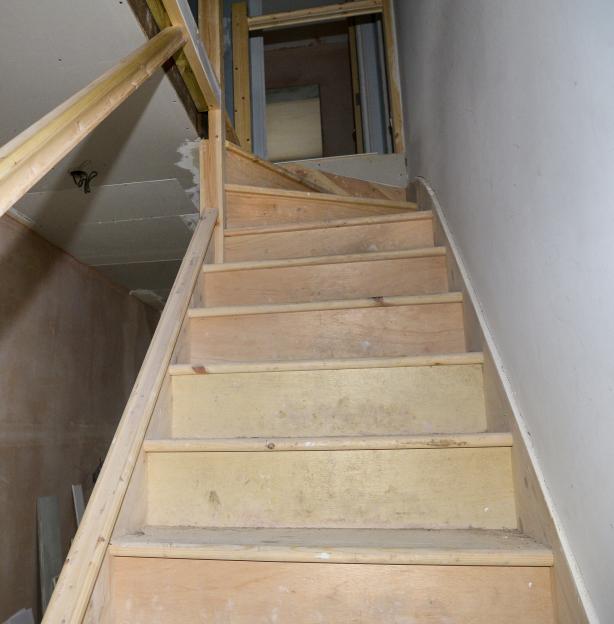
x=327, y=13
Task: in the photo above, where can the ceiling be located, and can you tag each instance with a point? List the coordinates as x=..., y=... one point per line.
x=136, y=223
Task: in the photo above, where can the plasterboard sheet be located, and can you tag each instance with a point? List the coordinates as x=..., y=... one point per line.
x=73, y=207
x=69, y=44
x=142, y=275
x=119, y=242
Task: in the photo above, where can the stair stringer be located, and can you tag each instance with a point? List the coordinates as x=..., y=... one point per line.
x=536, y=517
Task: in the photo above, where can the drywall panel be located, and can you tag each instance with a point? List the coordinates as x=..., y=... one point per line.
x=50, y=50
x=509, y=116
x=71, y=345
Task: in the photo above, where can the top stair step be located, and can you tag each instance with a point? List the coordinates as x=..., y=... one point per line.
x=250, y=206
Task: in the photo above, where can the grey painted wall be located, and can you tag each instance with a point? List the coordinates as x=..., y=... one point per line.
x=510, y=115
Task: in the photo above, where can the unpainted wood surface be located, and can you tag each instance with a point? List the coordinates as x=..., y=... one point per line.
x=247, y=169
x=363, y=332
x=330, y=240
x=403, y=276
x=247, y=209
x=381, y=546
x=167, y=591
x=274, y=444
x=431, y=399
x=421, y=488
x=241, y=75
x=312, y=15
x=343, y=185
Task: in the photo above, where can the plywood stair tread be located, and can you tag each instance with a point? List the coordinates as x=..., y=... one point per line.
x=332, y=223
x=320, y=197
x=312, y=306
x=469, y=547
x=273, y=366
x=329, y=443
x=373, y=256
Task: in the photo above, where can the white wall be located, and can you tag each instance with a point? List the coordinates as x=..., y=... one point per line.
x=509, y=111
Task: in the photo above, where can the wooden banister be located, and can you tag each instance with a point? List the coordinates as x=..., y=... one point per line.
x=73, y=590
x=31, y=154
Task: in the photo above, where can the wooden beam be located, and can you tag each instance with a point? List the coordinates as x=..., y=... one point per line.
x=180, y=14
x=241, y=75
x=31, y=154
x=213, y=161
x=327, y=13
x=152, y=18
x=394, y=79
x=72, y=593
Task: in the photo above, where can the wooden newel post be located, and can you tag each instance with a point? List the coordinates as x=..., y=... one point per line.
x=212, y=153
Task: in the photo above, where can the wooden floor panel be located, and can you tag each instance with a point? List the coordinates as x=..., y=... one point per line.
x=173, y=591
x=383, y=331
x=418, y=488
x=412, y=399
x=335, y=280
x=336, y=240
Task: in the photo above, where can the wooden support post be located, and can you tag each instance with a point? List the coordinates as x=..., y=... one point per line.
x=358, y=133
x=240, y=70
x=394, y=79
x=212, y=155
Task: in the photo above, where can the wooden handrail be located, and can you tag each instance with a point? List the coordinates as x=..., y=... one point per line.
x=72, y=593
x=31, y=154
x=327, y=13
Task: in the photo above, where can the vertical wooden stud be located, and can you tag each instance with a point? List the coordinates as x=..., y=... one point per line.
x=394, y=80
x=360, y=146
x=212, y=161
x=241, y=75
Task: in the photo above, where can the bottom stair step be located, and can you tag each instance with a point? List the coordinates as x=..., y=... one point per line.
x=151, y=584
x=377, y=546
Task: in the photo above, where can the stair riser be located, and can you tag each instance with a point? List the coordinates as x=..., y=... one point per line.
x=171, y=591
x=407, y=276
x=323, y=242
x=441, y=488
x=244, y=210
x=363, y=332
x=420, y=399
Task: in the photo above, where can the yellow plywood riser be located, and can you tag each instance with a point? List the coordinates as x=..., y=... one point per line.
x=420, y=399
x=363, y=332
x=337, y=240
x=406, y=276
x=170, y=591
x=451, y=488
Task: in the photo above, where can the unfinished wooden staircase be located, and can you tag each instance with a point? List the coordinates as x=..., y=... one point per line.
x=319, y=451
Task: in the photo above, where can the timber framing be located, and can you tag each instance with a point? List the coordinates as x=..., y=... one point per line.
x=327, y=13
x=331, y=13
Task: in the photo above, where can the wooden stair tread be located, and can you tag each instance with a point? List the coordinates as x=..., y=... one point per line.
x=332, y=223
x=341, y=304
x=329, y=443
x=272, y=366
x=320, y=197
x=318, y=260
x=455, y=547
